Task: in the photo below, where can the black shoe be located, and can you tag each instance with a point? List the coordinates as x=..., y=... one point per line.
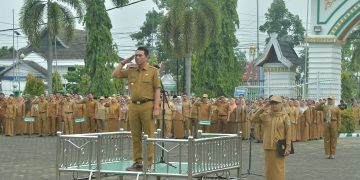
x=135, y=167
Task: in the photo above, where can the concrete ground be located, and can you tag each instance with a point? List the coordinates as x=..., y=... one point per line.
x=33, y=158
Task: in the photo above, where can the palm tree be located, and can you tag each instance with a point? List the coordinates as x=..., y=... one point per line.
x=59, y=19
x=188, y=27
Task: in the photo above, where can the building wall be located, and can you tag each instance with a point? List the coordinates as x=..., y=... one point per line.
x=279, y=80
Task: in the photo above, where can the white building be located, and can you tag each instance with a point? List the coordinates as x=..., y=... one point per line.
x=66, y=57
x=279, y=62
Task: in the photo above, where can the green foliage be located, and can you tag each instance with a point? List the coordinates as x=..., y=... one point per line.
x=100, y=50
x=218, y=69
x=57, y=84
x=347, y=121
x=34, y=86
x=187, y=28
x=280, y=21
x=59, y=19
x=5, y=50
x=77, y=81
x=346, y=86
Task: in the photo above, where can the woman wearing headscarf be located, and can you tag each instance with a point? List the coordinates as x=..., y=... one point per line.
x=277, y=125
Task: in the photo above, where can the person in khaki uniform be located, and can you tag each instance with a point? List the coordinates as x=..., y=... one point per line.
x=232, y=126
x=53, y=108
x=100, y=115
x=19, y=124
x=169, y=108
x=332, y=124
x=2, y=112
x=223, y=114
x=319, y=122
x=194, y=117
x=214, y=116
x=304, y=120
x=144, y=85
x=124, y=123
x=79, y=112
x=277, y=126
x=259, y=129
x=186, y=113
x=204, y=109
x=113, y=114
x=59, y=112
x=89, y=112
x=293, y=115
x=28, y=126
x=242, y=118
x=43, y=124
x=10, y=116
x=356, y=110
x=178, y=123
x=68, y=106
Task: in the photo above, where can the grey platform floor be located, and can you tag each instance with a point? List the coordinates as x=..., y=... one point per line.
x=33, y=158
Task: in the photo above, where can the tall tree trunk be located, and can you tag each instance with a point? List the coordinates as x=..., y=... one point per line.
x=49, y=63
x=188, y=73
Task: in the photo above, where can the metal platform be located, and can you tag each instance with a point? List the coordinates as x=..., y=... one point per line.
x=98, y=155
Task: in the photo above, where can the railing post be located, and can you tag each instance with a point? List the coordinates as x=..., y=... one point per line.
x=145, y=154
x=239, y=151
x=98, y=157
x=58, y=152
x=190, y=157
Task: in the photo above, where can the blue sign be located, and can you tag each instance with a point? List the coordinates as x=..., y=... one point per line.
x=240, y=90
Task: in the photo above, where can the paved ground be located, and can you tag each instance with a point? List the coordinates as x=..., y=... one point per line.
x=33, y=158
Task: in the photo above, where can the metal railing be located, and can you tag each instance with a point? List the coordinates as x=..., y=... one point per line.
x=209, y=154
x=188, y=158
x=87, y=152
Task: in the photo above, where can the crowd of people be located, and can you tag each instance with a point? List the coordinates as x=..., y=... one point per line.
x=183, y=116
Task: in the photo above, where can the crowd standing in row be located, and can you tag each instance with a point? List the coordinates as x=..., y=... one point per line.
x=181, y=115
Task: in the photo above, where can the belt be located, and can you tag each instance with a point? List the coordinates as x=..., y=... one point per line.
x=42, y=112
x=142, y=101
x=68, y=112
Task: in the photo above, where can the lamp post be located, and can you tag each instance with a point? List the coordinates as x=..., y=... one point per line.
x=22, y=56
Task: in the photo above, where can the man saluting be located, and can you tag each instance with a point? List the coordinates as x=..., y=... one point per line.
x=144, y=86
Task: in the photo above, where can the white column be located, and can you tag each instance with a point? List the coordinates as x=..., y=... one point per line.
x=325, y=67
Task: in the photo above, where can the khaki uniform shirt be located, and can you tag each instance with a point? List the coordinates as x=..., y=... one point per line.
x=204, y=110
x=142, y=82
x=90, y=107
x=2, y=107
x=10, y=109
x=113, y=111
x=186, y=108
x=53, y=107
x=43, y=106
x=223, y=109
x=276, y=127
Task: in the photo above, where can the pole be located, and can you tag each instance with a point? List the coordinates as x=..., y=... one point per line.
x=13, y=44
x=56, y=70
x=18, y=62
x=306, y=49
x=258, y=49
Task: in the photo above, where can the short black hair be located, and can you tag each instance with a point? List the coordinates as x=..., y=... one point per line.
x=146, y=51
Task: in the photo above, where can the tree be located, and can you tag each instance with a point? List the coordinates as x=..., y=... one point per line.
x=100, y=50
x=187, y=28
x=77, y=81
x=34, y=86
x=56, y=79
x=5, y=50
x=218, y=68
x=279, y=20
x=58, y=17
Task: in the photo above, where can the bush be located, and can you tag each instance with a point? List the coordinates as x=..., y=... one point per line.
x=347, y=121
x=34, y=86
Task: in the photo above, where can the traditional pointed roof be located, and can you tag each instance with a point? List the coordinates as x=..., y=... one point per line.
x=279, y=51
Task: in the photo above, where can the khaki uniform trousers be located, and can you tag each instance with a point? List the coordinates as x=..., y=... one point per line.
x=19, y=125
x=102, y=125
x=141, y=120
x=168, y=127
x=124, y=123
x=274, y=166
x=68, y=124
x=9, y=126
x=52, y=121
x=2, y=123
x=90, y=124
x=194, y=126
x=222, y=124
x=330, y=137
x=43, y=125
x=259, y=131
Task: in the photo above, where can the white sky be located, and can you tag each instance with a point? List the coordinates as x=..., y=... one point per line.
x=128, y=20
